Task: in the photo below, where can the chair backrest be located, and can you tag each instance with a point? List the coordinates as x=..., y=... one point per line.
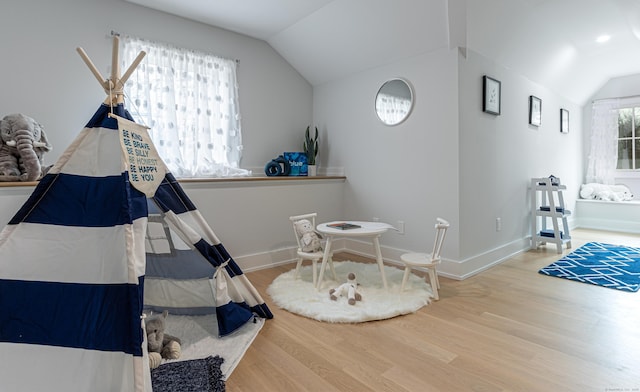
x=311, y=217
x=441, y=232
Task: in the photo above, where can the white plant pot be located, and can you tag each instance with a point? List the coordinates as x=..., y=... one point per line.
x=311, y=170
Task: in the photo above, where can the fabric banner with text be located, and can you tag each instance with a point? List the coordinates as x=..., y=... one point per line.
x=146, y=168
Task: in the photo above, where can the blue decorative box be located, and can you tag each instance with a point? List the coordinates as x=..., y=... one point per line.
x=298, y=163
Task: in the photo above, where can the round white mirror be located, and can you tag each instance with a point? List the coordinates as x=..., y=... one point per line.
x=394, y=101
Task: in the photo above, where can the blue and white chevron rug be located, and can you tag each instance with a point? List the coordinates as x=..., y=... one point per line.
x=613, y=266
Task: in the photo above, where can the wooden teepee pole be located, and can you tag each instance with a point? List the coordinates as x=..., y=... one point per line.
x=94, y=70
x=132, y=68
x=114, y=87
x=115, y=64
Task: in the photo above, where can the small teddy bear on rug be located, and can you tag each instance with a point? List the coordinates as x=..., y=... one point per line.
x=159, y=344
x=309, y=238
x=350, y=288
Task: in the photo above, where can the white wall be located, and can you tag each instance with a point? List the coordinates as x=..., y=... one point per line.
x=500, y=154
x=252, y=220
x=404, y=173
x=449, y=158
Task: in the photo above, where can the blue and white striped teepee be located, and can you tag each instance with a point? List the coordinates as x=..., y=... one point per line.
x=73, y=268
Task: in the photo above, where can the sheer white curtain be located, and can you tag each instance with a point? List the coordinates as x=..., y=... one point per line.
x=189, y=100
x=603, y=153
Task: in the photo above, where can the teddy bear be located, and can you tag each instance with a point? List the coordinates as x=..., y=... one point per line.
x=591, y=190
x=621, y=192
x=350, y=288
x=596, y=191
x=159, y=344
x=22, y=145
x=309, y=238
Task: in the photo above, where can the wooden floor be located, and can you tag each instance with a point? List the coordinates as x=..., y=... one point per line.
x=506, y=329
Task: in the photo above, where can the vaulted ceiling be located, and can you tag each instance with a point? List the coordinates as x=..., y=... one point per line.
x=551, y=42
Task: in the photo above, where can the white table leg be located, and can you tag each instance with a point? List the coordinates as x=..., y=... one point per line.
x=376, y=245
x=325, y=257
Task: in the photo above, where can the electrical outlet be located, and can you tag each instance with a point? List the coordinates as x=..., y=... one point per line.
x=498, y=224
x=400, y=227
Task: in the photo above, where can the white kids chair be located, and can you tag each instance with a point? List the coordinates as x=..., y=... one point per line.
x=313, y=256
x=427, y=260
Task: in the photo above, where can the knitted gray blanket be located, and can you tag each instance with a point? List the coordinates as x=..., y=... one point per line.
x=196, y=375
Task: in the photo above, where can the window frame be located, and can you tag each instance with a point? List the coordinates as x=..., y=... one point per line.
x=634, y=138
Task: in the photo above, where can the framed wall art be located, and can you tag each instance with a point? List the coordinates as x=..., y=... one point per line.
x=491, y=95
x=564, y=121
x=535, y=111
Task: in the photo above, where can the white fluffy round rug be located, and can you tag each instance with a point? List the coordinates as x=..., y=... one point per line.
x=300, y=297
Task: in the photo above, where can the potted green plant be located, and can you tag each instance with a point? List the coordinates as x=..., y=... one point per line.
x=310, y=146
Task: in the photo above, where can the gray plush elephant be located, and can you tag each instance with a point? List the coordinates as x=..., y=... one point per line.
x=22, y=144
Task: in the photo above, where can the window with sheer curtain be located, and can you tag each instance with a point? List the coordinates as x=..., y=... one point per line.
x=615, y=139
x=189, y=100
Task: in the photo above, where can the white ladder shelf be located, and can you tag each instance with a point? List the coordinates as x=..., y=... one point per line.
x=547, y=204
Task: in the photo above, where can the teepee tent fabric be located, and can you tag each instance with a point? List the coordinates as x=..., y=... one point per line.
x=72, y=271
x=176, y=281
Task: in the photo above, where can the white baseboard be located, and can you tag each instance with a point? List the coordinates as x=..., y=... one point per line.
x=274, y=258
x=474, y=265
x=453, y=269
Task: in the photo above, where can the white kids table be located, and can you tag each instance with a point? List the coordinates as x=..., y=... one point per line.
x=366, y=229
